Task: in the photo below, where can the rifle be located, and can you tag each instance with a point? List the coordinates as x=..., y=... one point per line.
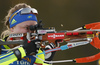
x=51, y=36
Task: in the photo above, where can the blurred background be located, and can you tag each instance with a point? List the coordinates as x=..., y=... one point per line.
x=69, y=13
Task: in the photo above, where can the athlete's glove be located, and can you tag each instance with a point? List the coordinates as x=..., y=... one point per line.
x=28, y=49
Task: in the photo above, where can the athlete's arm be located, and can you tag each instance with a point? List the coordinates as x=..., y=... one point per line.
x=19, y=53
x=12, y=56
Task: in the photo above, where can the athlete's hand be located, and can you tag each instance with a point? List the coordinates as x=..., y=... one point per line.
x=30, y=47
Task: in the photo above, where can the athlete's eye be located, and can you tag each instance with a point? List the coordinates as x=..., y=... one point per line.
x=27, y=28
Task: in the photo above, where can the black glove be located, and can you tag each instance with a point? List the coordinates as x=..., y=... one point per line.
x=30, y=47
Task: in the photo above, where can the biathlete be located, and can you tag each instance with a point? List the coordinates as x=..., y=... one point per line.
x=18, y=19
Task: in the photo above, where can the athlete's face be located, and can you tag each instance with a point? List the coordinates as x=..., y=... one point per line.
x=23, y=27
